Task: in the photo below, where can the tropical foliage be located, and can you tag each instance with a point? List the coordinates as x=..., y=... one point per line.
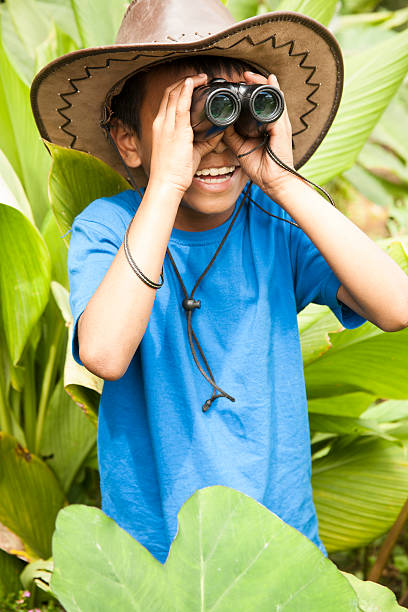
x=227, y=555
x=356, y=379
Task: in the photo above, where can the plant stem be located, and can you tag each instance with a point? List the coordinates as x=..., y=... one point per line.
x=5, y=420
x=15, y=401
x=30, y=400
x=46, y=385
x=389, y=544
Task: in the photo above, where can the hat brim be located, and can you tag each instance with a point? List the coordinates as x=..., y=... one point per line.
x=68, y=95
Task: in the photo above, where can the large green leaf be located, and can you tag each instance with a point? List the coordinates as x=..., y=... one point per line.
x=68, y=437
x=19, y=138
x=30, y=496
x=11, y=190
x=372, y=78
x=359, y=488
x=82, y=386
x=76, y=179
x=93, y=29
x=346, y=405
x=61, y=11
x=10, y=570
x=386, y=412
x=56, y=44
x=24, y=278
x=342, y=425
x=315, y=322
x=393, y=126
x=57, y=249
x=321, y=10
x=8, y=142
x=372, y=187
x=383, y=163
x=361, y=360
x=24, y=28
x=229, y=554
x=242, y=9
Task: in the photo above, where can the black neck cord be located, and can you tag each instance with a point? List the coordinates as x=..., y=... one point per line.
x=189, y=303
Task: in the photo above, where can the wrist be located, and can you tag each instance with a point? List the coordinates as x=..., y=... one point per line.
x=162, y=192
x=284, y=188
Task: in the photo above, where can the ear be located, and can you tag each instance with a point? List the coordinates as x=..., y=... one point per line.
x=127, y=142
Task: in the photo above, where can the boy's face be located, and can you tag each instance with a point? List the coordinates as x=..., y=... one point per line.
x=202, y=198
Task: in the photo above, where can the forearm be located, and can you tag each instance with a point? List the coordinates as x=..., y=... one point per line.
x=374, y=281
x=115, y=319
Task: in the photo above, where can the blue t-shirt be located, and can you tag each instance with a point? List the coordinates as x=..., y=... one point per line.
x=156, y=446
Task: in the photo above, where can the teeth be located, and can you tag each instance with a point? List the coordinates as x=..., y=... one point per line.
x=213, y=179
x=215, y=171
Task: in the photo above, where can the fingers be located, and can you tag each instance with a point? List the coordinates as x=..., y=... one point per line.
x=258, y=79
x=233, y=140
x=182, y=110
x=252, y=78
x=177, y=98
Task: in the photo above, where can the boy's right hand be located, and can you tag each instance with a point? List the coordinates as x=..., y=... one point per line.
x=175, y=156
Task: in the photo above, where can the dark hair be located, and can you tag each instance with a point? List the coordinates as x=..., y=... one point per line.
x=127, y=104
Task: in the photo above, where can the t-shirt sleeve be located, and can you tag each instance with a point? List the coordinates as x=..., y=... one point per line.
x=92, y=248
x=315, y=281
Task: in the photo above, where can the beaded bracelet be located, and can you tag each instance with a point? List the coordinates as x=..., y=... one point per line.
x=136, y=269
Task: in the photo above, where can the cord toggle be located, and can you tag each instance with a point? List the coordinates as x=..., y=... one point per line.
x=191, y=304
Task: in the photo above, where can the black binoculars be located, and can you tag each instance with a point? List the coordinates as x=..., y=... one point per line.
x=220, y=103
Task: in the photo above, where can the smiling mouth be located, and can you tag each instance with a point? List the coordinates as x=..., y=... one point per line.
x=215, y=175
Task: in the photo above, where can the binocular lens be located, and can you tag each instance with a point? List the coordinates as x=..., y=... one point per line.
x=223, y=109
x=265, y=105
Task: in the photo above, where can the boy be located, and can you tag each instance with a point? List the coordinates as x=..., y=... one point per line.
x=226, y=324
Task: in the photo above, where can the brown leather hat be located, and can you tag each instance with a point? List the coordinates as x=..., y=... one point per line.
x=68, y=96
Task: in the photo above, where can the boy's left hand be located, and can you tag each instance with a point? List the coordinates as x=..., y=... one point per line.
x=260, y=168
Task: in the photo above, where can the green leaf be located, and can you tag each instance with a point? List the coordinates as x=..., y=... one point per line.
x=62, y=13
x=19, y=139
x=227, y=555
x=23, y=29
x=386, y=412
x=76, y=179
x=359, y=488
x=315, y=322
x=30, y=496
x=67, y=438
x=24, y=285
x=373, y=597
x=242, y=9
x=11, y=190
x=363, y=359
x=383, y=163
x=372, y=187
x=93, y=30
x=38, y=572
x=57, y=249
x=61, y=297
x=56, y=44
x=10, y=570
x=372, y=78
x=399, y=253
x=321, y=10
x=81, y=385
x=346, y=426
x=346, y=405
x=393, y=126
